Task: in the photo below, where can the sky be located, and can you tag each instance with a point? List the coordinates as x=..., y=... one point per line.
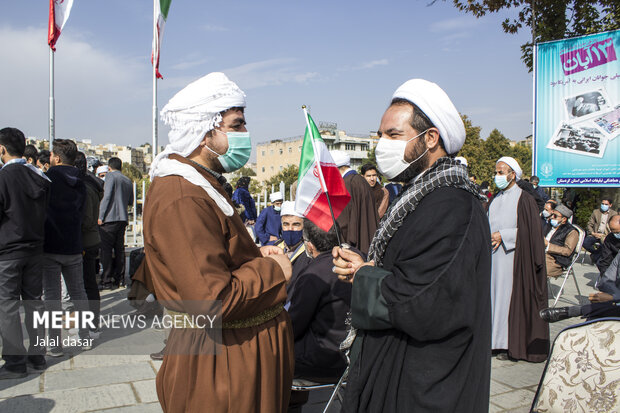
x=343, y=59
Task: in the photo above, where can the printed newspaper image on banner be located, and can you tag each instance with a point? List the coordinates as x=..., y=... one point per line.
x=577, y=111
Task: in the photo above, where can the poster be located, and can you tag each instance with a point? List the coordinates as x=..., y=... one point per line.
x=576, y=140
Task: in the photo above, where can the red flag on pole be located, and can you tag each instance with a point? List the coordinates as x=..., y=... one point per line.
x=59, y=14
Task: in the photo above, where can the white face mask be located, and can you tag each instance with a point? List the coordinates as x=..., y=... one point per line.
x=390, y=155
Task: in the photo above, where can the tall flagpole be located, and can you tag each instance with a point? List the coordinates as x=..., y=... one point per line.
x=155, y=15
x=51, y=101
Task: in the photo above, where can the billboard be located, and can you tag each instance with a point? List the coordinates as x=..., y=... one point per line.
x=576, y=139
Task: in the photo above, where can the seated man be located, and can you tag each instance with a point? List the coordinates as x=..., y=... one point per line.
x=560, y=240
x=268, y=223
x=603, y=303
x=611, y=245
x=318, y=308
x=292, y=242
x=598, y=229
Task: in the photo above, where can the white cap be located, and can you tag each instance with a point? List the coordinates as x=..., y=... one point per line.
x=102, y=169
x=288, y=208
x=512, y=162
x=435, y=104
x=341, y=158
x=275, y=196
x=461, y=159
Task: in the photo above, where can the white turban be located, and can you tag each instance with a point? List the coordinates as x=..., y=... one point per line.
x=512, y=162
x=435, y=104
x=275, y=196
x=461, y=159
x=341, y=158
x=191, y=113
x=288, y=208
x=102, y=169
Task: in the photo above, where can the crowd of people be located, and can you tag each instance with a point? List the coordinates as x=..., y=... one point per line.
x=416, y=286
x=55, y=216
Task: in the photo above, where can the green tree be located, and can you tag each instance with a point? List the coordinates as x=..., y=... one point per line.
x=496, y=146
x=473, y=150
x=288, y=175
x=549, y=19
x=132, y=172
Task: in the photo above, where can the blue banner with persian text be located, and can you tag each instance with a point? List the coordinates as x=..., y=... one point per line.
x=576, y=140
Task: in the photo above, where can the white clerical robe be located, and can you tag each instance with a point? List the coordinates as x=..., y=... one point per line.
x=503, y=218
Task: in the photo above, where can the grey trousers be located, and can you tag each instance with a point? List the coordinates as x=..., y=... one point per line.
x=71, y=268
x=20, y=279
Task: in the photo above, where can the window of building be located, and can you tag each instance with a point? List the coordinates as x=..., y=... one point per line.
x=290, y=149
x=281, y=151
x=349, y=147
x=263, y=169
x=272, y=168
x=299, y=148
x=271, y=152
x=263, y=153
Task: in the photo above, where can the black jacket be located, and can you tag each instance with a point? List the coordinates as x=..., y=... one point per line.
x=63, y=226
x=318, y=310
x=23, y=199
x=611, y=246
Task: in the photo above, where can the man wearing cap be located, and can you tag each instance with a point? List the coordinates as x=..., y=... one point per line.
x=421, y=304
x=268, y=224
x=292, y=242
x=560, y=241
x=358, y=220
x=199, y=253
x=518, y=278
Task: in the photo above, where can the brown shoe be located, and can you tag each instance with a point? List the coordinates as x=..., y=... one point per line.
x=159, y=355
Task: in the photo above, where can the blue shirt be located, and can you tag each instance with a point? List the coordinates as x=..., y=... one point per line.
x=268, y=224
x=242, y=197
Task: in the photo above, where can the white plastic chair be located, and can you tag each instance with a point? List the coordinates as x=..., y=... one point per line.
x=569, y=270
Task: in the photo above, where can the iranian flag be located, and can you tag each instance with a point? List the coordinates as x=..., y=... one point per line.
x=318, y=178
x=161, y=8
x=59, y=14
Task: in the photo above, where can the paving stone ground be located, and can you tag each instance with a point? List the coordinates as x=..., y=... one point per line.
x=94, y=382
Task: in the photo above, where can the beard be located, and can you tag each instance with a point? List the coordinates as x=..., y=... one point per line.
x=417, y=167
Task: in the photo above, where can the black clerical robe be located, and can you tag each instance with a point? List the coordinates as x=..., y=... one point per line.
x=358, y=220
x=424, y=343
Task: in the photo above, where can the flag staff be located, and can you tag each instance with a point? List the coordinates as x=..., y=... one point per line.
x=155, y=39
x=322, y=179
x=52, y=111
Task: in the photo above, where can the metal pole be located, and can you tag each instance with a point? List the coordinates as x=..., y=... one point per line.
x=155, y=143
x=135, y=211
x=52, y=132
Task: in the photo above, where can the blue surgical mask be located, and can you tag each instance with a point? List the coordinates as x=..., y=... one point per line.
x=604, y=207
x=554, y=223
x=238, y=153
x=617, y=235
x=292, y=237
x=546, y=213
x=501, y=181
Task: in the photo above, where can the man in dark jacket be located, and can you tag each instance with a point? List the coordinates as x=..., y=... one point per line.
x=242, y=197
x=113, y=218
x=611, y=245
x=24, y=193
x=561, y=239
x=318, y=308
x=63, y=237
x=90, y=235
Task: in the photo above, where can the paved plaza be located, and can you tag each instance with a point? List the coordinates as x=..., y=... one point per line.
x=92, y=382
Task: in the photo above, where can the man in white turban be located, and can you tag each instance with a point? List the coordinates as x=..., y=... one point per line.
x=268, y=223
x=359, y=219
x=198, y=252
x=518, y=278
x=421, y=302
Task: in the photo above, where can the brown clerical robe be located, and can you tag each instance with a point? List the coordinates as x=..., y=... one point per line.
x=195, y=252
x=358, y=220
x=528, y=334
